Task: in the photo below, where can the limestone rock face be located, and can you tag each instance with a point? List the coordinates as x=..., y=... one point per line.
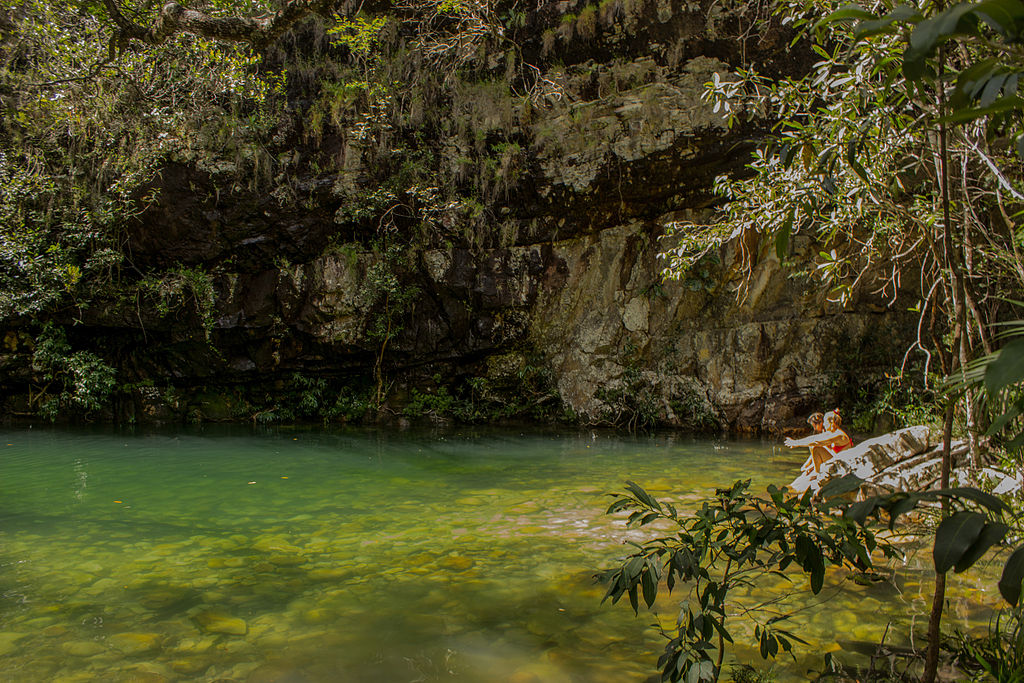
x=551, y=273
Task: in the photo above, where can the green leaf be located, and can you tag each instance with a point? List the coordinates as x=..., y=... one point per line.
x=968, y=493
x=1000, y=423
x=820, y=51
x=873, y=27
x=929, y=33
x=847, y=12
x=954, y=20
x=817, y=571
x=1000, y=106
x=650, y=586
x=700, y=672
x=992, y=88
x=1008, y=366
x=954, y=536
x=617, y=505
x=993, y=533
x=1016, y=443
x=858, y=512
x=970, y=82
x=851, y=159
x=1005, y=16
x=901, y=506
x=1013, y=574
x=720, y=627
x=782, y=236
x=840, y=486
x=634, y=567
x=1012, y=83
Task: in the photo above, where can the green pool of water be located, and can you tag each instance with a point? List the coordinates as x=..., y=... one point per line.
x=298, y=555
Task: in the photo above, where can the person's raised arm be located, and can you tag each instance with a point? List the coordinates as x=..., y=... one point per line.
x=824, y=439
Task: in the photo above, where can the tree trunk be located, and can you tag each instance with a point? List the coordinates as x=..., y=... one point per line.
x=957, y=350
x=931, y=661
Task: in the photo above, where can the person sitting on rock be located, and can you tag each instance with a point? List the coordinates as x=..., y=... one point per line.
x=825, y=444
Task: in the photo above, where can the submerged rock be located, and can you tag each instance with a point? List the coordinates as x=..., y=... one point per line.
x=456, y=563
x=163, y=598
x=213, y=621
x=275, y=544
x=8, y=642
x=82, y=648
x=134, y=643
x=189, y=666
x=286, y=560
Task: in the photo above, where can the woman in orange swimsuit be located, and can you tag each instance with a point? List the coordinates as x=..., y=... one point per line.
x=824, y=445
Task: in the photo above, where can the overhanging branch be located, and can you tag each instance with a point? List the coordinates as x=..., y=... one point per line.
x=174, y=18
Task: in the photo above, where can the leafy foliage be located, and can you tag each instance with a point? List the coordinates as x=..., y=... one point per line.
x=727, y=543
x=84, y=131
x=1000, y=653
x=1001, y=376
x=360, y=35
x=77, y=381
x=854, y=165
x=528, y=393
x=733, y=539
x=181, y=287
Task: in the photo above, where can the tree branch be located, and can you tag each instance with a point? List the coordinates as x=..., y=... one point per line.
x=174, y=18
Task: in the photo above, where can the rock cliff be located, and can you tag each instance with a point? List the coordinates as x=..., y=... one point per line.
x=534, y=291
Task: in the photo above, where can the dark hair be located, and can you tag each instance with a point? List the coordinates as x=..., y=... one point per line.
x=816, y=419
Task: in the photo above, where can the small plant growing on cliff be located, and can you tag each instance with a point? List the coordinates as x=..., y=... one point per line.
x=360, y=35
x=586, y=22
x=392, y=300
x=177, y=288
x=78, y=381
x=632, y=401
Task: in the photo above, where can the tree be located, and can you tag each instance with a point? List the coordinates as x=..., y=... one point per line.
x=895, y=155
x=86, y=128
x=173, y=18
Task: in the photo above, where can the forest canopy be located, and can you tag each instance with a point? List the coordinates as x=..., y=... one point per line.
x=99, y=96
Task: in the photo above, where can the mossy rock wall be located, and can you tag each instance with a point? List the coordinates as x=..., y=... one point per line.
x=524, y=285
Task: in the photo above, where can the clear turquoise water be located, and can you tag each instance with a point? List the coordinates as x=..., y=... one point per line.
x=298, y=555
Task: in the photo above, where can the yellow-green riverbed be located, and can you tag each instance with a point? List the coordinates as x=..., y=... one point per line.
x=234, y=554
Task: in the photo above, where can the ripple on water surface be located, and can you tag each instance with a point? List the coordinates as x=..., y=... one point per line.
x=349, y=556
